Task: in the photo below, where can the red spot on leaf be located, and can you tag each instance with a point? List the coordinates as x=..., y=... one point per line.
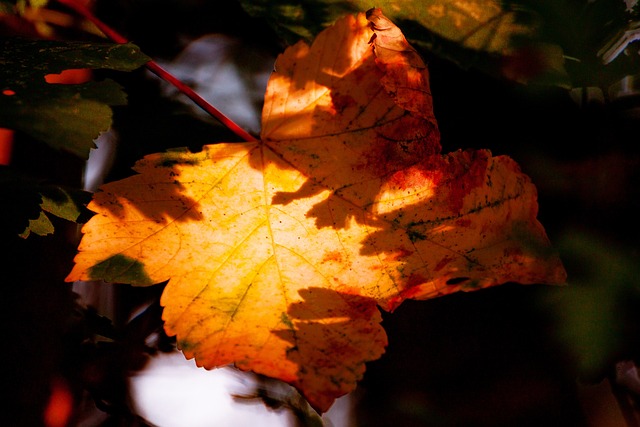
x=512, y=253
x=398, y=254
x=412, y=290
x=334, y=256
x=402, y=144
x=341, y=102
x=414, y=177
x=414, y=280
x=464, y=175
x=442, y=263
x=463, y=222
x=359, y=74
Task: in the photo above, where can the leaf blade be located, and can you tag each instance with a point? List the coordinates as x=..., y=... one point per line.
x=279, y=251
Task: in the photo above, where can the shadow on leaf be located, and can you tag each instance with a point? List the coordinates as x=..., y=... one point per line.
x=332, y=336
x=161, y=194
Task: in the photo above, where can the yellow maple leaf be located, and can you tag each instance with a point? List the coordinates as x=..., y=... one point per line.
x=278, y=252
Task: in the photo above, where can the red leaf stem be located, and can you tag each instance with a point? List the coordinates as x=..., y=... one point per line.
x=155, y=68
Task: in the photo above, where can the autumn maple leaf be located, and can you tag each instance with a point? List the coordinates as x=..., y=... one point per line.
x=278, y=252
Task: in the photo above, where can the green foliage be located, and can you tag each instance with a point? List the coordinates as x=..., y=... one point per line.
x=477, y=33
x=296, y=20
x=479, y=24
x=522, y=40
x=69, y=204
x=6, y=7
x=30, y=202
x=67, y=117
x=597, y=311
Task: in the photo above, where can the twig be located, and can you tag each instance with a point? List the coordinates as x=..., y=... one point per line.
x=155, y=68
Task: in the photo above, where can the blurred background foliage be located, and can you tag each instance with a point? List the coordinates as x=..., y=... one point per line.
x=551, y=83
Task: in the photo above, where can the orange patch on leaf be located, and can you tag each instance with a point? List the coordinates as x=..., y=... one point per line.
x=333, y=256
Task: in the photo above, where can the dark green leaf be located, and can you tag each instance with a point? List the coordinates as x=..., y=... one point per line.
x=23, y=59
x=65, y=203
x=65, y=116
x=28, y=203
x=41, y=226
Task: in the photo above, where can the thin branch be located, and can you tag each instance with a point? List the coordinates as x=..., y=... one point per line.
x=155, y=68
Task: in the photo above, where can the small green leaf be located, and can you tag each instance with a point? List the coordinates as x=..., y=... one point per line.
x=64, y=203
x=41, y=226
x=30, y=202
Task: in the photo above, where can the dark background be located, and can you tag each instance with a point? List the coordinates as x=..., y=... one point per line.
x=507, y=356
